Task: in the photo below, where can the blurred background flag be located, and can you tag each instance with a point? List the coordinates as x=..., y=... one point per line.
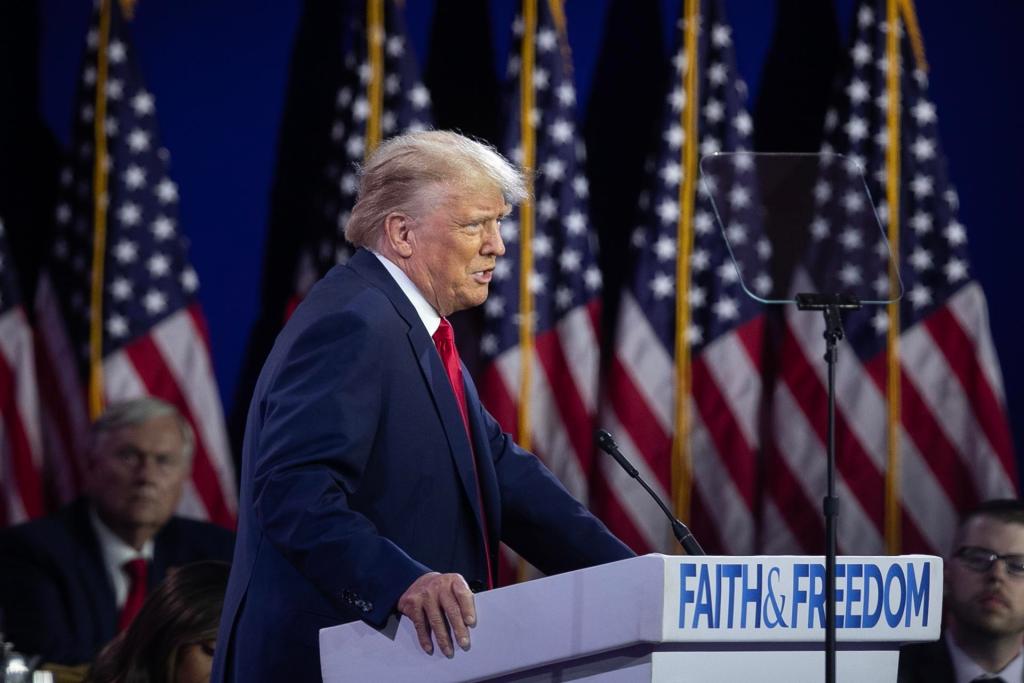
x=921, y=432
x=117, y=305
x=354, y=82
x=21, y=452
x=685, y=327
x=544, y=304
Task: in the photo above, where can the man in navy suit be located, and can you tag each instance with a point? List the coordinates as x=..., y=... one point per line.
x=373, y=480
x=70, y=581
x=984, y=596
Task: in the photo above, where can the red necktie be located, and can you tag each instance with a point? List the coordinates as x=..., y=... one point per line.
x=137, y=571
x=444, y=340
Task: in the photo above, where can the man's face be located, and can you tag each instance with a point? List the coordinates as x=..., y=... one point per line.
x=988, y=602
x=137, y=474
x=456, y=245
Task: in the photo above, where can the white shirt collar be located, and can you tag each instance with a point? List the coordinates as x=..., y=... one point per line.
x=430, y=317
x=115, y=553
x=967, y=670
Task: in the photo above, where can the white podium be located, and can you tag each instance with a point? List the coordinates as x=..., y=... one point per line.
x=669, y=618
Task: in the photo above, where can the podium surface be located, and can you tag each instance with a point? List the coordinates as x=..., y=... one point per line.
x=669, y=618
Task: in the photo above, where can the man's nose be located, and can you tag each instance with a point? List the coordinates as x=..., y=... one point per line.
x=493, y=244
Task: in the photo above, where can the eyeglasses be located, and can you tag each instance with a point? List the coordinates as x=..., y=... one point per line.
x=982, y=559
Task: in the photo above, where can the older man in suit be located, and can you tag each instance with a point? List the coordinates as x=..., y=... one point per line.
x=373, y=480
x=70, y=581
x=985, y=604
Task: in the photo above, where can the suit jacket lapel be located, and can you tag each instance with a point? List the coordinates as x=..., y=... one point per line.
x=367, y=265
x=92, y=569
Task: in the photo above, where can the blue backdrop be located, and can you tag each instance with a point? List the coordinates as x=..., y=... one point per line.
x=219, y=71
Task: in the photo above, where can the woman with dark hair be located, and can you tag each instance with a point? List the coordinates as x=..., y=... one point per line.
x=172, y=638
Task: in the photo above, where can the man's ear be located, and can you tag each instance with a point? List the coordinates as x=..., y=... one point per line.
x=398, y=234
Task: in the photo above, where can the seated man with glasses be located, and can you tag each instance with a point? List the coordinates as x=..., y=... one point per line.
x=71, y=581
x=984, y=600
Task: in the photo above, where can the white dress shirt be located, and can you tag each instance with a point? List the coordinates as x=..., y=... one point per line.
x=967, y=670
x=430, y=317
x=115, y=553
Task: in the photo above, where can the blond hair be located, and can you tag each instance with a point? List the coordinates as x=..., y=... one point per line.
x=399, y=173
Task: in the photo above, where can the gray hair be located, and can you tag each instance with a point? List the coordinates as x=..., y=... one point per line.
x=136, y=411
x=397, y=173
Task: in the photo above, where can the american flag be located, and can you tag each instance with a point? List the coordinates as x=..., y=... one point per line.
x=724, y=329
x=559, y=397
x=153, y=336
x=391, y=77
x=21, y=452
x=954, y=446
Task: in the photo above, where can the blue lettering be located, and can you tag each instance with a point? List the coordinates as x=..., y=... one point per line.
x=918, y=595
x=816, y=601
x=731, y=572
x=685, y=596
x=853, y=571
x=872, y=575
x=750, y=594
x=840, y=573
x=703, y=603
x=800, y=571
x=895, y=573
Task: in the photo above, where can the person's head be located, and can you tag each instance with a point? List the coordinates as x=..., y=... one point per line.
x=173, y=636
x=986, y=597
x=432, y=202
x=140, y=455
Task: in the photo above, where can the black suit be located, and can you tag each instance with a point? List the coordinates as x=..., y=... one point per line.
x=55, y=593
x=926, y=663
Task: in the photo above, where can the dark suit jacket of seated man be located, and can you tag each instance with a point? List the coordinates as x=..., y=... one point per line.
x=61, y=586
x=362, y=493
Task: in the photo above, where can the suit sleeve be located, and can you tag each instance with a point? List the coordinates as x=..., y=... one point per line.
x=540, y=519
x=33, y=615
x=318, y=420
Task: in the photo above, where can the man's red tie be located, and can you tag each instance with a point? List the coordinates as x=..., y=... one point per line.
x=444, y=340
x=138, y=573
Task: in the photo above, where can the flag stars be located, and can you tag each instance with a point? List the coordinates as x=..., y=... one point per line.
x=861, y=53
x=360, y=109
x=857, y=91
x=674, y=136
x=671, y=173
x=592, y=278
x=354, y=146
x=921, y=222
x=116, y=52
x=129, y=214
x=763, y=284
x=736, y=233
x=162, y=227
x=126, y=251
x=563, y=297
x=714, y=110
x=509, y=232
x=851, y=238
x=554, y=168
x=547, y=208
x=726, y=308
x=167, y=191
x=540, y=79
x=189, y=280
x=739, y=197
x=419, y=96
x=921, y=186
x=700, y=260
x=694, y=335
x=955, y=234
x=395, y=46
x=566, y=94
x=721, y=35
x=880, y=321
x=923, y=112
x=134, y=177
x=822, y=192
x=717, y=73
x=743, y=124
x=494, y=307
x=665, y=248
x=662, y=286
x=536, y=282
x=920, y=296
x=921, y=259
x=728, y=273
x=541, y=246
x=546, y=40
x=489, y=344
x=117, y=326
x=580, y=186
x=710, y=146
x=138, y=140
x=561, y=131
x=158, y=265
x=115, y=89
x=955, y=270
x=575, y=223
x=155, y=302
x=703, y=223
x=853, y=201
x=923, y=148
x=121, y=289
x=677, y=99
x=856, y=128
x=570, y=260
x=850, y=275
x=668, y=211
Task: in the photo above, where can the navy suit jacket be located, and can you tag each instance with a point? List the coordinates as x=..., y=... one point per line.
x=357, y=478
x=55, y=594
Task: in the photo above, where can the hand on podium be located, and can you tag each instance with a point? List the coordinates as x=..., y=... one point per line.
x=436, y=601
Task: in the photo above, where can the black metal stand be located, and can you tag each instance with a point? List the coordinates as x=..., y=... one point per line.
x=830, y=305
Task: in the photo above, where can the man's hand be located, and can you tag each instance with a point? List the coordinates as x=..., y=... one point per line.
x=436, y=601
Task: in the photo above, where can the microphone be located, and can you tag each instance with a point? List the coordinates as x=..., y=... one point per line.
x=607, y=444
